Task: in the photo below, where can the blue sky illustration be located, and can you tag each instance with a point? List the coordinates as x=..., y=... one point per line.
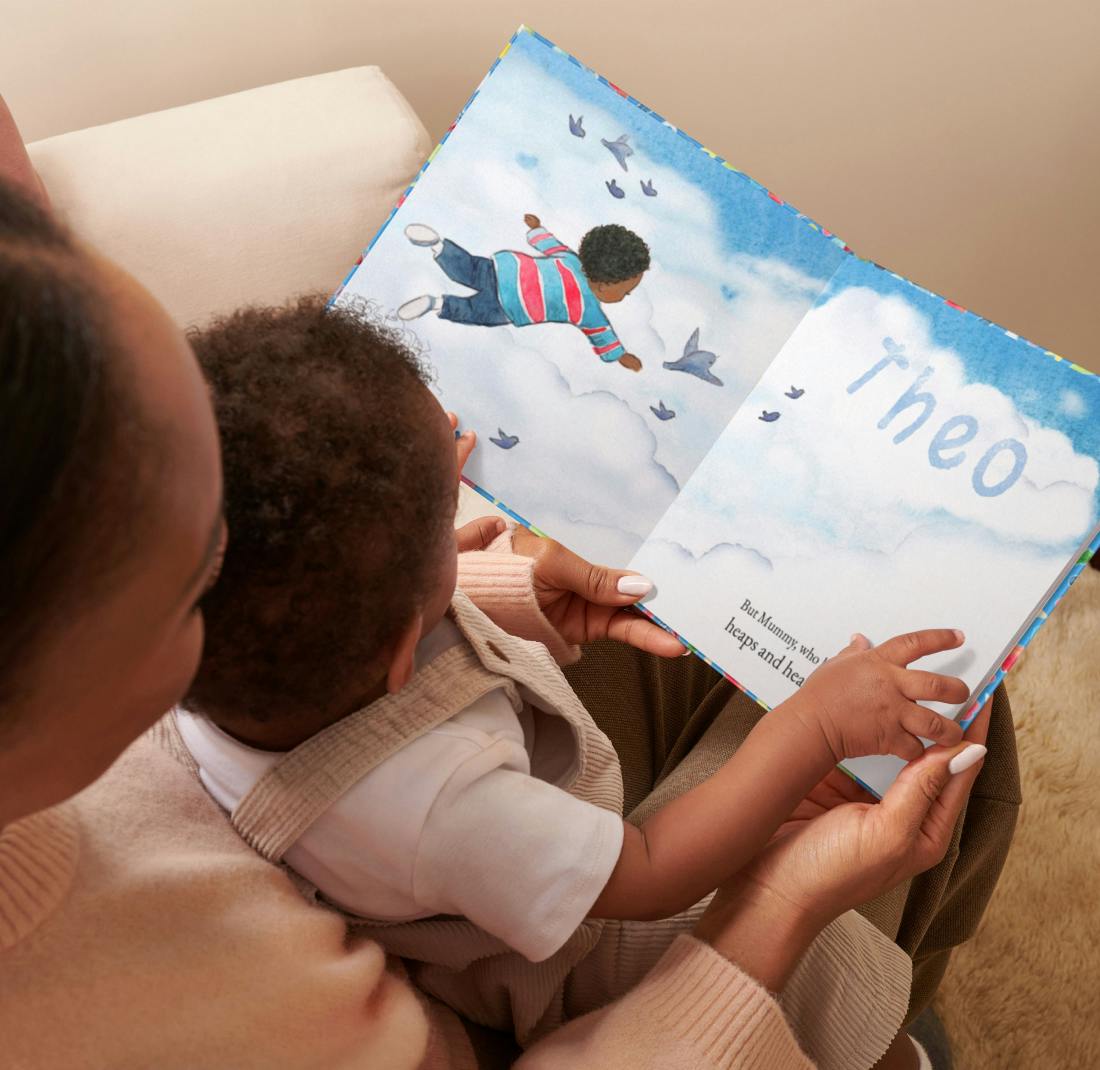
x=751, y=222
x=728, y=261
x=1047, y=390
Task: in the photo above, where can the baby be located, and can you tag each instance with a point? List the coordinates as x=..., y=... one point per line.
x=423, y=768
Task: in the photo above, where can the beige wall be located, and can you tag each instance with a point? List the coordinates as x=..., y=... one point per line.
x=957, y=142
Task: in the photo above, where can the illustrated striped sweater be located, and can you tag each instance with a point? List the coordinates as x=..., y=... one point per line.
x=551, y=288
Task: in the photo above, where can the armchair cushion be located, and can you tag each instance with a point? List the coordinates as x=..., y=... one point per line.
x=246, y=198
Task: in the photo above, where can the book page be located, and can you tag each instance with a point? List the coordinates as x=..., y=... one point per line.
x=517, y=334
x=901, y=464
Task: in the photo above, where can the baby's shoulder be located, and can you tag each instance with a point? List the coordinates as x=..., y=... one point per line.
x=485, y=722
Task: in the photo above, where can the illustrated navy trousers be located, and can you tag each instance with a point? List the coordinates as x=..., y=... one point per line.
x=481, y=308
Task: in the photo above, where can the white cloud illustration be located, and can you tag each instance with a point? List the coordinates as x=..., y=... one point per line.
x=825, y=474
x=1072, y=404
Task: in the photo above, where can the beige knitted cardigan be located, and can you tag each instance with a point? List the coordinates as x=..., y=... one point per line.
x=137, y=929
x=476, y=973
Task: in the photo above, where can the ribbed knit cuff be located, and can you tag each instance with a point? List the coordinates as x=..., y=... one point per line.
x=501, y=584
x=37, y=862
x=699, y=997
x=847, y=997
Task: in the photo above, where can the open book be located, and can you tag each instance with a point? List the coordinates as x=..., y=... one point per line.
x=672, y=370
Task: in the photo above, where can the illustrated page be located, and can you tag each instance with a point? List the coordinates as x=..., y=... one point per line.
x=900, y=465
x=594, y=291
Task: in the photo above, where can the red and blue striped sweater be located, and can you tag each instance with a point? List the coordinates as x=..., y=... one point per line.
x=551, y=288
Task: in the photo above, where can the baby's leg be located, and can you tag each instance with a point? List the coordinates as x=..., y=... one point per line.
x=465, y=268
x=481, y=309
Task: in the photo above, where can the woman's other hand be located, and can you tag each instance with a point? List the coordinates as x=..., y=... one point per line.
x=835, y=854
x=585, y=602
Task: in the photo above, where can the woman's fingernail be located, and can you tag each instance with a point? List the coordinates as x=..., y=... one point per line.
x=855, y=637
x=960, y=636
x=967, y=757
x=687, y=650
x=634, y=585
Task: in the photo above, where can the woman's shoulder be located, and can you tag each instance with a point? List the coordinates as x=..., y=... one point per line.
x=50, y=855
x=167, y=904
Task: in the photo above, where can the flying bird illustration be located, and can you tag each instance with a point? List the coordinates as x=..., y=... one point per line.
x=505, y=442
x=615, y=189
x=662, y=411
x=768, y=417
x=695, y=361
x=794, y=393
x=619, y=149
x=575, y=126
x=647, y=188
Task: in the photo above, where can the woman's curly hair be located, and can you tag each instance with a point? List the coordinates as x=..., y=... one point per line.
x=334, y=499
x=612, y=253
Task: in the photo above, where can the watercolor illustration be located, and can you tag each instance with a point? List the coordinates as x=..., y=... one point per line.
x=806, y=444
x=584, y=276
x=555, y=286
x=920, y=468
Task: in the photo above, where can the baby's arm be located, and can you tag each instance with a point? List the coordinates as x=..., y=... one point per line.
x=861, y=702
x=538, y=237
x=701, y=839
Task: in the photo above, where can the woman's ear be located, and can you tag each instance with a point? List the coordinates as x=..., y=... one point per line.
x=402, y=661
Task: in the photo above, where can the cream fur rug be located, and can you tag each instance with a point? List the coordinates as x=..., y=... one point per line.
x=1025, y=992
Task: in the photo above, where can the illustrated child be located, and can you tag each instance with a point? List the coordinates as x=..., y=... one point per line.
x=424, y=767
x=558, y=286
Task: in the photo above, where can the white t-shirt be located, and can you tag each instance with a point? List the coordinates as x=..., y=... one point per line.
x=467, y=819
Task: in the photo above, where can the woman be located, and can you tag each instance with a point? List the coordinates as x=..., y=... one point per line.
x=135, y=928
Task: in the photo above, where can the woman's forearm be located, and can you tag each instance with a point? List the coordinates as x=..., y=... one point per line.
x=760, y=932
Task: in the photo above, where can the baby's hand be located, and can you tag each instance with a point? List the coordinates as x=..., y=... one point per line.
x=864, y=701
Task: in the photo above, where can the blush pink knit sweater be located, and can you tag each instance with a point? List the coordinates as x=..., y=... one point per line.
x=137, y=929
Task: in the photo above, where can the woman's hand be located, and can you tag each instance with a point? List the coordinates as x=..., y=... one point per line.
x=858, y=850
x=585, y=602
x=839, y=850
x=838, y=788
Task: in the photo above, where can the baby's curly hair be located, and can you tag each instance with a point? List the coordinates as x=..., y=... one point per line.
x=612, y=253
x=334, y=501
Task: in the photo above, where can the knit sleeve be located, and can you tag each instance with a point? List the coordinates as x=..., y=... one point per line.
x=693, y=1011
x=541, y=239
x=603, y=339
x=501, y=584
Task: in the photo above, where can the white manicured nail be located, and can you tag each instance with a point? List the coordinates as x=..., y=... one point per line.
x=966, y=758
x=634, y=585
